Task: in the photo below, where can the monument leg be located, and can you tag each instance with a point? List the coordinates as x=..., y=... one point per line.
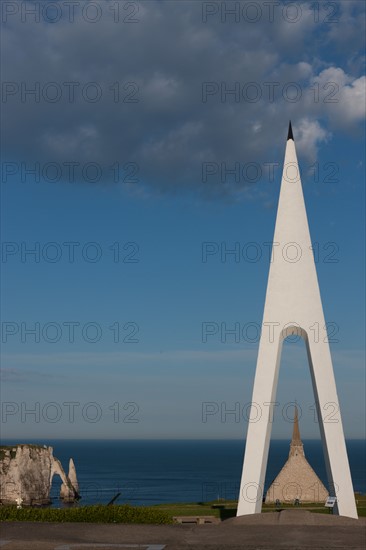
x=259, y=427
x=331, y=429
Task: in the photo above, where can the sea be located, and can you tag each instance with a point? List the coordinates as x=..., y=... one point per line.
x=147, y=472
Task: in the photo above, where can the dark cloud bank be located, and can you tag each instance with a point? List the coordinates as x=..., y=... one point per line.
x=149, y=88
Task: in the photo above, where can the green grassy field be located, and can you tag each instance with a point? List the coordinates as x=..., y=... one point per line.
x=159, y=514
x=227, y=509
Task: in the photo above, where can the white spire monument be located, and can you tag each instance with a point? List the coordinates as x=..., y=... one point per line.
x=293, y=306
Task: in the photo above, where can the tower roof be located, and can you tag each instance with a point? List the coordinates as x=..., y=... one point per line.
x=296, y=439
x=290, y=134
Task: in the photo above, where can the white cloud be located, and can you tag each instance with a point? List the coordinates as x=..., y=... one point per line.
x=22, y=375
x=341, y=96
x=81, y=141
x=169, y=54
x=309, y=135
x=111, y=359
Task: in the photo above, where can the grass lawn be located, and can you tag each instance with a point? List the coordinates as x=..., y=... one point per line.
x=227, y=509
x=159, y=514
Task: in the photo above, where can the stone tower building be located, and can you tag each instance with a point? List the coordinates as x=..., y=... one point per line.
x=297, y=479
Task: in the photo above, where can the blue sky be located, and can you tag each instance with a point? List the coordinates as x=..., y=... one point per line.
x=161, y=379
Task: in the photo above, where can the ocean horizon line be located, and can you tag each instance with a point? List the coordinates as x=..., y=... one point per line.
x=12, y=439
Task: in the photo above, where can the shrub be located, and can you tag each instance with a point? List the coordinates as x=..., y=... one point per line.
x=87, y=514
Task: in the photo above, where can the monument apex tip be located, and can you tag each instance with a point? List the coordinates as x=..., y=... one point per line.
x=290, y=134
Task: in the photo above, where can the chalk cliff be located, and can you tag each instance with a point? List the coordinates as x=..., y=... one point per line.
x=26, y=473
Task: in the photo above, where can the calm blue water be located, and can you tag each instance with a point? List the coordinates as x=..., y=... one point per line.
x=153, y=472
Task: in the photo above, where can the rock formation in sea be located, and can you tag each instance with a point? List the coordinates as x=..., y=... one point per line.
x=26, y=473
x=67, y=493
